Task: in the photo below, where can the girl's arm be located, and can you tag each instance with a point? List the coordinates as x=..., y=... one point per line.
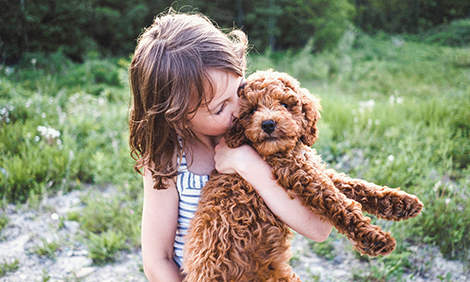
x=159, y=221
x=248, y=163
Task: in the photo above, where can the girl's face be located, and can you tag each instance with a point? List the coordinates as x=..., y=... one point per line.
x=216, y=117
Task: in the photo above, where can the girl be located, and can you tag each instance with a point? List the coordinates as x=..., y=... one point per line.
x=185, y=77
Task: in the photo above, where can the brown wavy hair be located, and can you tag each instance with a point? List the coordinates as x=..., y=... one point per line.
x=169, y=79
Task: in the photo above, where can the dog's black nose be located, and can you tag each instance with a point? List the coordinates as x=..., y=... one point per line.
x=268, y=126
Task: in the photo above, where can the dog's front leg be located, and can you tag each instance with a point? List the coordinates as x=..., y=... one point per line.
x=382, y=201
x=317, y=191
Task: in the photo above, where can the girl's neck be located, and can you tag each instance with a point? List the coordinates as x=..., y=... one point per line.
x=200, y=157
x=209, y=142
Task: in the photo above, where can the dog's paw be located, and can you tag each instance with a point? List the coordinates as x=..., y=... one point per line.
x=401, y=206
x=409, y=207
x=375, y=243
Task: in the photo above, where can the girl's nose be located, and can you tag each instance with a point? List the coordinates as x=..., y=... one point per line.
x=236, y=110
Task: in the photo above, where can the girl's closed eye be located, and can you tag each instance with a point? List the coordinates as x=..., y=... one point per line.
x=221, y=108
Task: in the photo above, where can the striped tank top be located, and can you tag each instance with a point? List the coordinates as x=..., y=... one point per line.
x=189, y=187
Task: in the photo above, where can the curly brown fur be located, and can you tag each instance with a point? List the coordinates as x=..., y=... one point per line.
x=235, y=237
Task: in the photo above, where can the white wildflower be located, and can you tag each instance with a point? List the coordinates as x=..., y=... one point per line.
x=398, y=41
x=4, y=171
x=367, y=104
x=390, y=158
x=363, y=105
x=101, y=101
x=9, y=70
x=395, y=99
x=49, y=134
x=54, y=216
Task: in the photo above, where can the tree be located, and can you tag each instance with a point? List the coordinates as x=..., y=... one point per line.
x=412, y=16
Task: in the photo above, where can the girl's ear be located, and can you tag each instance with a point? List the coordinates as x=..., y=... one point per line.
x=235, y=135
x=311, y=109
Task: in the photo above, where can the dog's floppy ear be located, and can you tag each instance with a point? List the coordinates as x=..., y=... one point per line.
x=311, y=109
x=235, y=135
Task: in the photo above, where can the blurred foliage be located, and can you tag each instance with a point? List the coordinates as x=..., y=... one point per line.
x=6, y=267
x=111, y=27
x=74, y=26
x=414, y=16
x=46, y=248
x=111, y=223
x=455, y=33
x=293, y=23
x=61, y=124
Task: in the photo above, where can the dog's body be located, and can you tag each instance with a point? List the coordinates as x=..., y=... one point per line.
x=235, y=237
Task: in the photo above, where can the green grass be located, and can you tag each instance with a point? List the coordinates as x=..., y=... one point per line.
x=395, y=112
x=46, y=248
x=59, y=128
x=111, y=223
x=4, y=220
x=6, y=267
x=105, y=247
x=326, y=248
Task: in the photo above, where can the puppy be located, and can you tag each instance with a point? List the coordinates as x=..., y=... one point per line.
x=235, y=237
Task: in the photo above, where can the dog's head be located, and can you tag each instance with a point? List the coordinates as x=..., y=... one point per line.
x=275, y=114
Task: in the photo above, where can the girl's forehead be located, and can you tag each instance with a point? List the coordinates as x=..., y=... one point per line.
x=215, y=87
x=221, y=84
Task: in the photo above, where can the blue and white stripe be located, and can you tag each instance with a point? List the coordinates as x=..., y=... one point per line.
x=189, y=187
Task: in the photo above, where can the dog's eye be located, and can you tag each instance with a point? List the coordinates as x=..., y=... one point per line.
x=285, y=105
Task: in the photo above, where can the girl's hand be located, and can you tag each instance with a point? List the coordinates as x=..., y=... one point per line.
x=232, y=160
